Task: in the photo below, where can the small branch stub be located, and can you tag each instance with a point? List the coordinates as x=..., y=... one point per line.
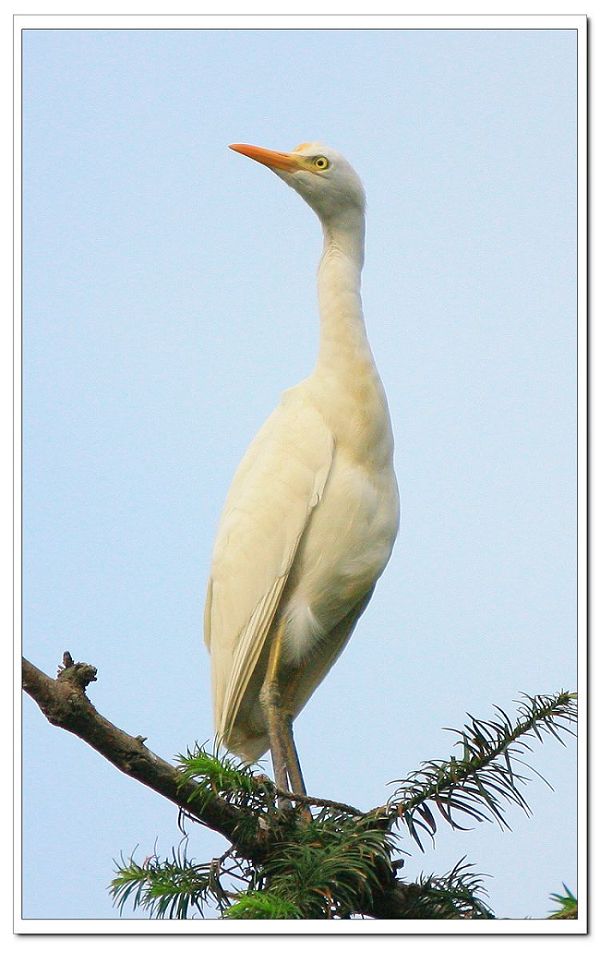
x=78, y=674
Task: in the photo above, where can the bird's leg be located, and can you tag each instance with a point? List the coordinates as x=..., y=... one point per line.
x=296, y=779
x=270, y=700
x=294, y=772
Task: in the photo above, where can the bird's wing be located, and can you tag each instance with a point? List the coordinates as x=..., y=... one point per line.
x=277, y=485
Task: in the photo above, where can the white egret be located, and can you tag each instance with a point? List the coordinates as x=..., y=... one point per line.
x=312, y=513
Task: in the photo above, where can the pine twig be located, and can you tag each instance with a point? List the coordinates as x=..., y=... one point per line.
x=486, y=778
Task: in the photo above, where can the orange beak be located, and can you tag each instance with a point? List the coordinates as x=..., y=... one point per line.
x=271, y=158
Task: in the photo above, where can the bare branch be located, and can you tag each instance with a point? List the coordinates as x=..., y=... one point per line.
x=64, y=703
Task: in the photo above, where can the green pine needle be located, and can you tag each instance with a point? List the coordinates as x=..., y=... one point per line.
x=170, y=889
x=256, y=905
x=457, y=895
x=222, y=774
x=567, y=905
x=488, y=776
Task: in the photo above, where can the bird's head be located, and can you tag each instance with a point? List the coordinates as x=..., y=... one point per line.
x=320, y=174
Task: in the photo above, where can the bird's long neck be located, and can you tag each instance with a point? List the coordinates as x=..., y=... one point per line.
x=343, y=335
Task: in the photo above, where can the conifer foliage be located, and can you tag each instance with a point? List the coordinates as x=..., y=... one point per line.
x=307, y=858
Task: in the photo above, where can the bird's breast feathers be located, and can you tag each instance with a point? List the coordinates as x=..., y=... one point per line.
x=344, y=549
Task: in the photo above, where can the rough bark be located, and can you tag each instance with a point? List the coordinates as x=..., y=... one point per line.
x=66, y=705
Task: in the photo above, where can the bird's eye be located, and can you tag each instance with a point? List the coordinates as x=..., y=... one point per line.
x=321, y=163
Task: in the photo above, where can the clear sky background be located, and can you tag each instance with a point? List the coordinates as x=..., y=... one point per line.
x=169, y=298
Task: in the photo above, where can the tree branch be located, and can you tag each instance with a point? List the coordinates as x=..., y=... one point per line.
x=65, y=704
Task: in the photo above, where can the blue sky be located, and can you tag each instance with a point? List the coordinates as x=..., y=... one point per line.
x=169, y=298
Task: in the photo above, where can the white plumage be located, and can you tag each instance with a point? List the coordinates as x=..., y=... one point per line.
x=311, y=516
